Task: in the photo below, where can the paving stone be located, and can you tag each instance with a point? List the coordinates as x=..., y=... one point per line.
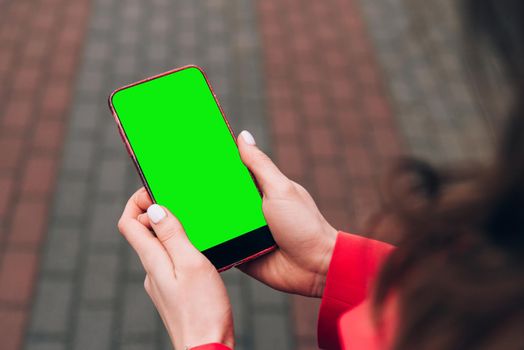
x=70, y=201
x=45, y=345
x=103, y=225
x=133, y=265
x=274, y=332
x=266, y=297
x=238, y=302
x=434, y=55
x=100, y=277
x=94, y=329
x=78, y=159
x=63, y=244
x=139, y=316
x=51, y=308
x=35, y=95
x=111, y=175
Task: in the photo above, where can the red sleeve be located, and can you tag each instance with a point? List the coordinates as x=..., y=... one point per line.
x=211, y=346
x=354, y=264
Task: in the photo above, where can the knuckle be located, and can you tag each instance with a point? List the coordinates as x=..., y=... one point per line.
x=260, y=157
x=152, y=266
x=147, y=285
x=195, y=263
x=287, y=189
x=166, y=233
x=121, y=225
x=300, y=189
x=169, y=228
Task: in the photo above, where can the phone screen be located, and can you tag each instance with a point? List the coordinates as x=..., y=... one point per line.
x=188, y=156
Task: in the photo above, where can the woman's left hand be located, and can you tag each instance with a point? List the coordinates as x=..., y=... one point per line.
x=184, y=286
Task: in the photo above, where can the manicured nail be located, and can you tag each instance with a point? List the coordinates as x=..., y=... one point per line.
x=248, y=138
x=156, y=213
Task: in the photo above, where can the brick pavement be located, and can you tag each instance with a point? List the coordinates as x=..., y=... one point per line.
x=331, y=123
x=90, y=293
x=422, y=57
x=39, y=47
x=334, y=90
x=351, y=85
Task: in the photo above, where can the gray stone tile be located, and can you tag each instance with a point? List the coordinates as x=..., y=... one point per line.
x=52, y=304
x=266, y=297
x=272, y=331
x=103, y=225
x=424, y=72
x=238, y=302
x=100, y=277
x=133, y=265
x=112, y=173
x=45, y=345
x=139, y=315
x=79, y=155
x=94, y=330
x=62, y=249
x=84, y=119
x=70, y=202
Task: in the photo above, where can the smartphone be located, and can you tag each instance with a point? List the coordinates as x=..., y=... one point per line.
x=186, y=155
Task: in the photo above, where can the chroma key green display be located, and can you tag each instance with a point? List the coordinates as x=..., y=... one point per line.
x=188, y=157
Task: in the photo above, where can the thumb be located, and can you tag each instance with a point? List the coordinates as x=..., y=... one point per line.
x=170, y=233
x=268, y=176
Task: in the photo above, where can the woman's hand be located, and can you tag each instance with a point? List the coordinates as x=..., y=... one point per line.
x=305, y=239
x=184, y=286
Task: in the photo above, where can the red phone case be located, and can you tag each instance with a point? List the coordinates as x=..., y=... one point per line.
x=137, y=166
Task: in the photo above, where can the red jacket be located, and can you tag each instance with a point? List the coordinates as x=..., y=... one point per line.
x=345, y=320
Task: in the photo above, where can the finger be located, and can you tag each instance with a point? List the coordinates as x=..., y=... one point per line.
x=171, y=234
x=144, y=220
x=151, y=253
x=138, y=203
x=254, y=268
x=268, y=176
x=142, y=199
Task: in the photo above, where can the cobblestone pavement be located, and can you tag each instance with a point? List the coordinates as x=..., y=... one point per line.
x=421, y=52
x=332, y=126
x=353, y=84
x=334, y=90
x=90, y=293
x=38, y=60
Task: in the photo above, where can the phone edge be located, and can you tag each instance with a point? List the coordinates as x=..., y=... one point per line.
x=132, y=155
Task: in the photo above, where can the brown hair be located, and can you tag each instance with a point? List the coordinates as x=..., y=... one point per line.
x=459, y=266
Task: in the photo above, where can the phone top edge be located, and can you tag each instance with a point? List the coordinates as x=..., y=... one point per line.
x=156, y=76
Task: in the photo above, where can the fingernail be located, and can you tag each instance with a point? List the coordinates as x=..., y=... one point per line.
x=248, y=138
x=156, y=213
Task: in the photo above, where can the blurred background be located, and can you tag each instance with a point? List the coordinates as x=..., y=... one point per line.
x=334, y=90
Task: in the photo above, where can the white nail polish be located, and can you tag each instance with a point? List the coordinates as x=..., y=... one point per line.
x=156, y=213
x=248, y=138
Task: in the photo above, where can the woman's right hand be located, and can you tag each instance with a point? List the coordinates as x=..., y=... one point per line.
x=305, y=239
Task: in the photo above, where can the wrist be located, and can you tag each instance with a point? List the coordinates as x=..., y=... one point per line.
x=328, y=247
x=211, y=346
x=203, y=338
x=225, y=338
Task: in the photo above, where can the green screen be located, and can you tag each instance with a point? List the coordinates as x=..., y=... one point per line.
x=188, y=157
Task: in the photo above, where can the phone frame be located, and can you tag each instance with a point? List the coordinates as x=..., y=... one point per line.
x=214, y=256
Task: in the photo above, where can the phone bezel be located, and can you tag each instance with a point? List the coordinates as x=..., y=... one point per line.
x=236, y=251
